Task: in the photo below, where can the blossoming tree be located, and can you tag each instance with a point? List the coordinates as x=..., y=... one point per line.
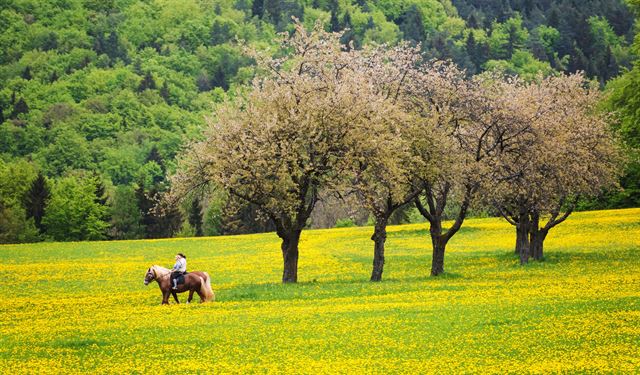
x=567, y=152
x=279, y=144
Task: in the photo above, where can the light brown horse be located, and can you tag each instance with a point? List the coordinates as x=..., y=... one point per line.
x=196, y=281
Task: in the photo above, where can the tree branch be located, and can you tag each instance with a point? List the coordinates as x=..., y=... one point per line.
x=506, y=214
x=423, y=211
x=462, y=214
x=553, y=221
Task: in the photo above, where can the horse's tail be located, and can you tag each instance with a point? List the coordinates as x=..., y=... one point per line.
x=205, y=288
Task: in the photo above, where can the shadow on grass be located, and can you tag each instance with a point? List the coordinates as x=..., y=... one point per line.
x=75, y=344
x=568, y=257
x=425, y=232
x=408, y=233
x=497, y=323
x=314, y=290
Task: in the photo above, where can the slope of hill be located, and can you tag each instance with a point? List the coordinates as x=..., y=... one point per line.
x=83, y=307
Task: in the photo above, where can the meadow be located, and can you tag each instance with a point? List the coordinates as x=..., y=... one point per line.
x=82, y=307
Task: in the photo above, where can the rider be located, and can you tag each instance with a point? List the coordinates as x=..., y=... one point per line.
x=180, y=268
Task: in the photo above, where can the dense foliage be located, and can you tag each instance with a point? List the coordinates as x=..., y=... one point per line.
x=380, y=124
x=100, y=96
x=624, y=100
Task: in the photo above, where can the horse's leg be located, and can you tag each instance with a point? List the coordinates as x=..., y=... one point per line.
x=165, y=297
x=175, y=296
x=190, y=296
x=200, y=295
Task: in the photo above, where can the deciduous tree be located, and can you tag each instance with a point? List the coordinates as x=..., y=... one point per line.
x=285, y=139
x=469, y=114
x=73, y=213
x=568, y=152
x=392, y=149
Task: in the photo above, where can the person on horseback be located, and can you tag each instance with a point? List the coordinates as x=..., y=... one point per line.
x=180, y=268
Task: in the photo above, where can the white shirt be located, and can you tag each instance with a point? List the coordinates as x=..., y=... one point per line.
x=180, y=266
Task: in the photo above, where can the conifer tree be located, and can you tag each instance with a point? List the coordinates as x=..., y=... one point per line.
x=608, y=66
x=554, y=17
x=411, y=24
x=148, y=83
x=370, y=23
x=346, y=20
x=101, y=196
x=257, y=9
x=218, y=79
x=334, y=22
x=26, y=73
x=273, y=9
x=203, y=81
x=20, y=107
x=154, y=155
x=145, y=204
x=113, y=49
x=137, y=67
x=472, y=50
x=36, y=201
x=164, y=92
x=348, y=36
x=195, y=216
x=472, y=21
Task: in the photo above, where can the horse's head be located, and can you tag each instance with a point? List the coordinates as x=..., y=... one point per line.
x=150, y=276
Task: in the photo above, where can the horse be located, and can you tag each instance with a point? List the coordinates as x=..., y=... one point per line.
x=196, y=281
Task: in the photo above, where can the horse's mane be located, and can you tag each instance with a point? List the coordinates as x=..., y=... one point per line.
x=160, y=271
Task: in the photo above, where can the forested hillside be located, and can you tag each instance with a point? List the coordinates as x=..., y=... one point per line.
x=98, y=97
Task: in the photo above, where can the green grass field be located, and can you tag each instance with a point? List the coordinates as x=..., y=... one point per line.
x=80, y=307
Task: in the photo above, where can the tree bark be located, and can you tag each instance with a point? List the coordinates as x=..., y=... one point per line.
x=379, y=237
x=439, y=244
x=289, y=246
x=437, y=262
x=534, y=229
x=522, y=238
x=537, y=244
x=519, y=239
x=538, y=235
x=434, y=215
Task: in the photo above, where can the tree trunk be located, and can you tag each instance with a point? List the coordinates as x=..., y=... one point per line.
x=434, y=214
x=290, y=243
x=437, y=264
x=523, y=229
x=534, y=229
x=439, y=244
x=379, y=237
x=537, y=244
x=520, y=240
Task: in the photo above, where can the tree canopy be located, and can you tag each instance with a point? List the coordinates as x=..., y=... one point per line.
x=100, y=86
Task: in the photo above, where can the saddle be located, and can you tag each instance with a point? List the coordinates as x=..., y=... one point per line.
x=181, y=278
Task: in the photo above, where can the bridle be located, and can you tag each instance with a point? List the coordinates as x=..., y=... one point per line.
x=152, y=275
